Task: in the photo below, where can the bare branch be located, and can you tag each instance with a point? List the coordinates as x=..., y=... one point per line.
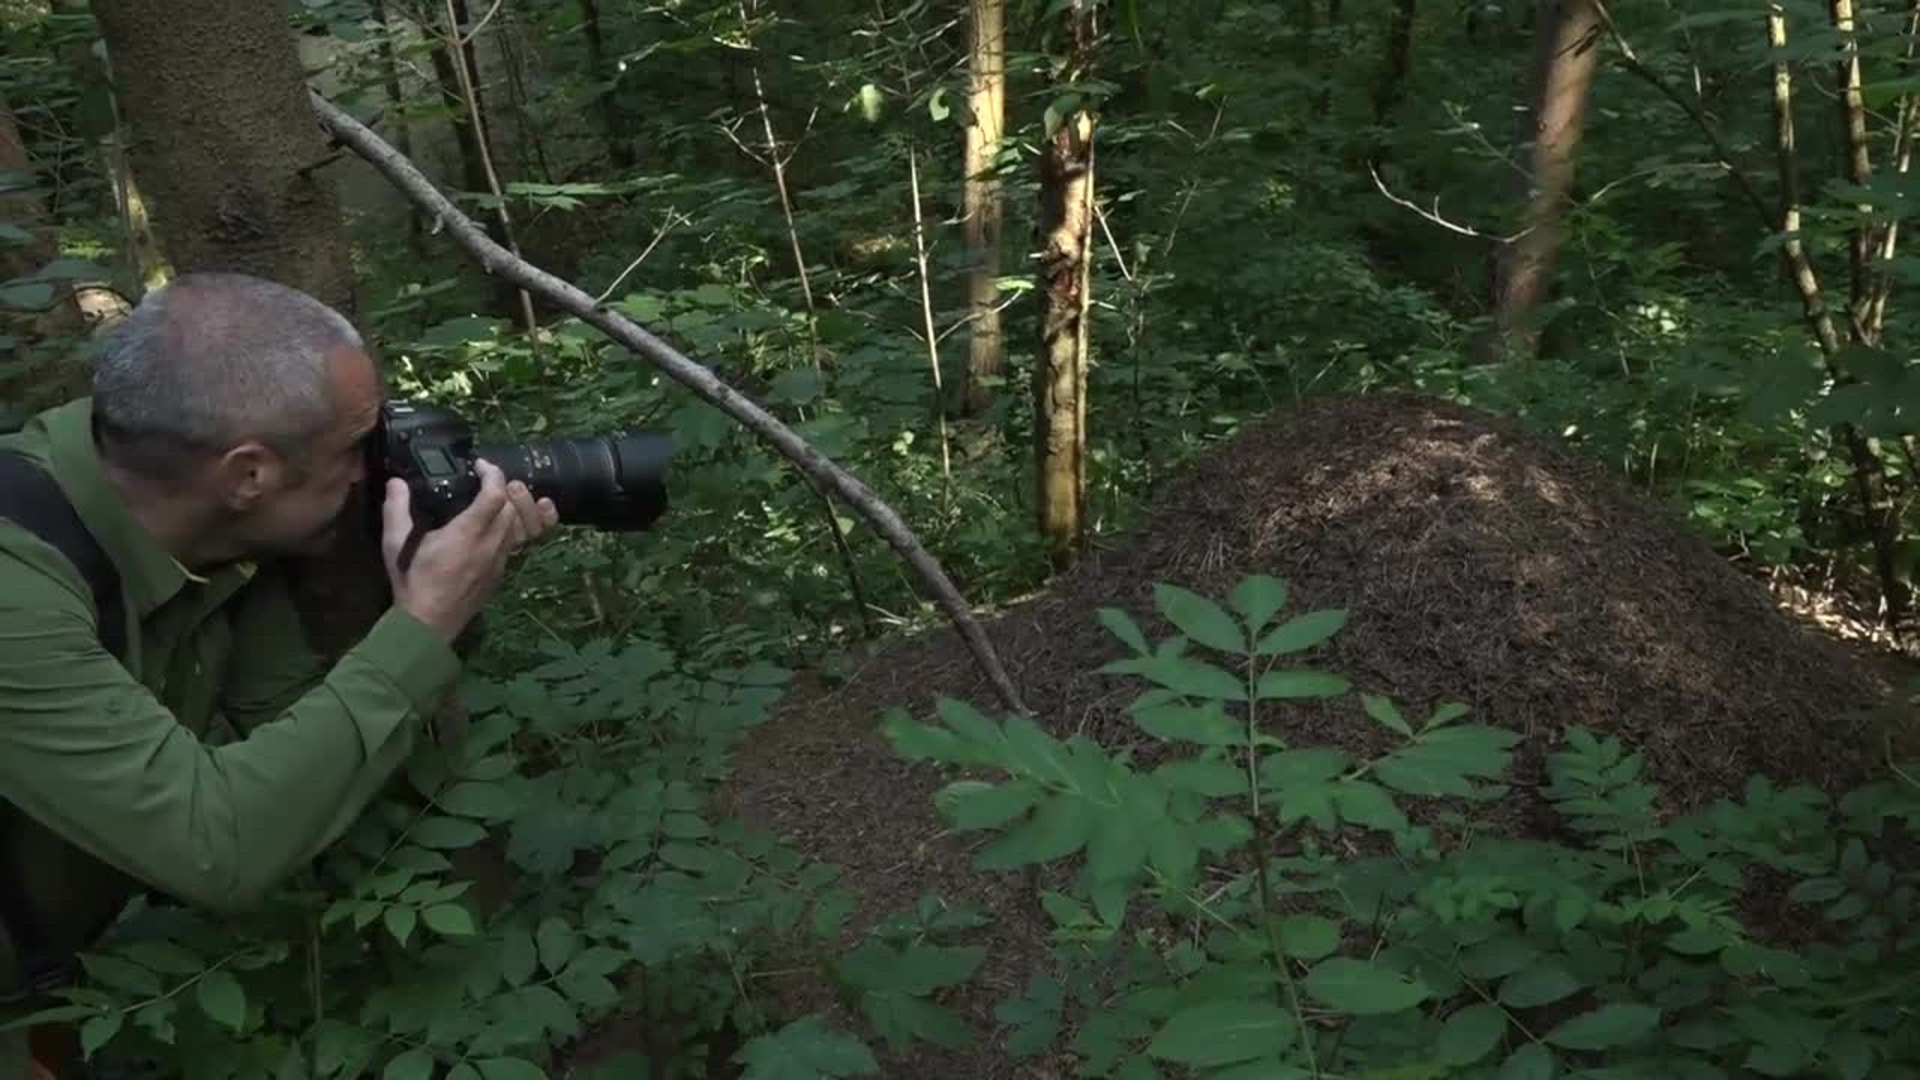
x=500, y=262
x=1434, y=214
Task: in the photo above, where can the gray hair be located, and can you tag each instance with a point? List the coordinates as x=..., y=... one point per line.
x=214, y=359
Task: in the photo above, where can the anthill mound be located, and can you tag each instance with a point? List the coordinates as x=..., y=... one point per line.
x=1478, y=562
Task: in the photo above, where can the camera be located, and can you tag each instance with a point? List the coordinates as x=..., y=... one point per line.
x=614, y=482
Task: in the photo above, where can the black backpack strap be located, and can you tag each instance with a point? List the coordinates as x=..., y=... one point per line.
x=32, y=499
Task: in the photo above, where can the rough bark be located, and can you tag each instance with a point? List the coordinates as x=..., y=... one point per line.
x=1566, y=54
x=987, y=75
x=223, y=138
x=1060, y=377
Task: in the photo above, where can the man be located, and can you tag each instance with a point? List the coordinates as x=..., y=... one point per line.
x=225, y=429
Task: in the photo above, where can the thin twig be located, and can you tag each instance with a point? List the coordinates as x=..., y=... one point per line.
x=497, y=260
x=458, y=55
x=926, y=313
x=672, y=219
x=1434, y=214
x=468, y=39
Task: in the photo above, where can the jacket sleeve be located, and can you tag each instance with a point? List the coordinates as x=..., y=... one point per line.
x=90, y=752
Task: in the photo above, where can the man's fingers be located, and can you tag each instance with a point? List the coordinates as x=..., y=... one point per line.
x=487, y=504
x=529, y=513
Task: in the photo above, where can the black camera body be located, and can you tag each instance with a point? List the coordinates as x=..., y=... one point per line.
x=615, y=482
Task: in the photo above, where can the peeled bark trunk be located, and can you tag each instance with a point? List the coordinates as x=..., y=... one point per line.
x=1567, y=51
x=1060, y=378
x=225, y=142
x=986, y=354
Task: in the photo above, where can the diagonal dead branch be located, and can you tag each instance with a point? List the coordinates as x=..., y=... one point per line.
x=496, y=260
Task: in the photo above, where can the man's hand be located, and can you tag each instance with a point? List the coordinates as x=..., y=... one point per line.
x=456, y=569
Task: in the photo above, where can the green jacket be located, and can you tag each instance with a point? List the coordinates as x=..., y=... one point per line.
x=224, y=760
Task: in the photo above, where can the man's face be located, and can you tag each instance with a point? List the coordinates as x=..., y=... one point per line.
x=300, y=510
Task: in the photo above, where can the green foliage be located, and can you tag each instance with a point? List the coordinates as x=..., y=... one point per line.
x=1248, y=906
x=1240, y=905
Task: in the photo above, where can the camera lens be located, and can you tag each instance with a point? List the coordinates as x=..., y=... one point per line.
x=616, y=483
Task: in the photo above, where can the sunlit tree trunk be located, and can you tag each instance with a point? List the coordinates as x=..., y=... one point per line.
x=986, y=356
x=1060, y=377
x=1566, y=52
x=233, y=165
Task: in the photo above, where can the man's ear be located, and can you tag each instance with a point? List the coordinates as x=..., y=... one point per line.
x=246, y=474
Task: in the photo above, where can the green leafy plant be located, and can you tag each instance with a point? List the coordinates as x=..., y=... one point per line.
x=1255, y=908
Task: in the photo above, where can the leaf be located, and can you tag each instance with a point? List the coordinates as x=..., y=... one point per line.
x=976, y=804
x=1301, y=684
x=414, y=1064
x=222, y=998
x=1531, y=1062
x=446, y=833
x=509, y=1068
x=401, y=922
x=97, y=1032
x=557, y=942
x=1058, y=829
x=1363, y=988
x=449, y=920
x=1606, y=1026
x=1223, y=1033
x=1206, y=723
x=1542, y=984
x=1202, y=620
x=1367, y=804
x=121, y=974
x=805, y=1050
x=1309, y=937
x=1256, y=598
x=1383, y=711
x=937, y=106
x=1122, y=626
x=1214, y=778
x=165, y=957
x=1302, y=632
x=1471, y=1034
x=470, y=799
x=518, y=956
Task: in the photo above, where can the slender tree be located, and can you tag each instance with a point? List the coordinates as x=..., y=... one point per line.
x=987, y=81
x=1566, y=51
x=1066, y=262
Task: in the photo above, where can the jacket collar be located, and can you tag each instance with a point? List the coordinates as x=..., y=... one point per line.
x=150, y=575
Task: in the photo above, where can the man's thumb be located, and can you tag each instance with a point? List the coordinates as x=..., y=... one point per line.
x=396, y=518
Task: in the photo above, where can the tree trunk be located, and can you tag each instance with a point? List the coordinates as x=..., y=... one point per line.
x=986, y=356
x=1566, y=53
x=223, y=137
x=1398, y=63
x=619, y=150
x=1060, y=377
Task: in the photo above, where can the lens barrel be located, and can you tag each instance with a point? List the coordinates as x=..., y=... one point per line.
x=615, y=483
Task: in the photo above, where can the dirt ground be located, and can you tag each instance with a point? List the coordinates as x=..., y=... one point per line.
x=1477, y=563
